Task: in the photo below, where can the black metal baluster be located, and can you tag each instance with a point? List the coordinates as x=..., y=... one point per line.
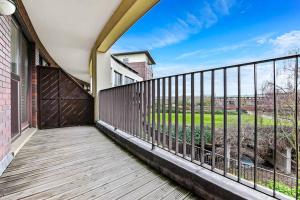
x=149, y=112
x=158, y=112
x=296, y=127
x=164, y=111
x=176, y=115
x=275, y=128
x=140, y=106
x=170, y=114
x=202, y=118
x=239, y=123
x=145, y=110
x=192, y=118
x=255, y=125
x=213, y=119
x=153, y=114
x=226, y=161
x=184, y=115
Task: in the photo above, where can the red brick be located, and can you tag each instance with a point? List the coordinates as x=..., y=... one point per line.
x=5, y=98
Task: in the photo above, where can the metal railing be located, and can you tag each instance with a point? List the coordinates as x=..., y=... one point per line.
x=179, y=114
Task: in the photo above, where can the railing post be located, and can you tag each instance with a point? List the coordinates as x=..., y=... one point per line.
x=170, y=114
x=149, y=131
x=153, y=114
x=239, y=123
x=145, y=110
x=275, y=128
x=176, y=115
x=158, y=111
x=184, y=115
x=202, y=117
x=225, y=123
x=213, y=119
x=164, y=111
x=296, y=126
x=192, y=118
x=255, y=125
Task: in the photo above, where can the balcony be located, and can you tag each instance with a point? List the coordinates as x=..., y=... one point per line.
x=183, y=137
x=221, y=133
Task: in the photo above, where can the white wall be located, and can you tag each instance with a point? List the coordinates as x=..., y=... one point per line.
x=134, y=57
x=124, y=71
x=105, y=75
x=105, y=71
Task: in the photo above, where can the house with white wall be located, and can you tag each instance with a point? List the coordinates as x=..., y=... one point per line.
x=112, y=72
x=140, y=61
x=123, y=68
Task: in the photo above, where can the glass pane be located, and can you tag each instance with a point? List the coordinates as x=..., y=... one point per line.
x=24, y=80
x=118, y=79
x=14, y=48
x=128, y=80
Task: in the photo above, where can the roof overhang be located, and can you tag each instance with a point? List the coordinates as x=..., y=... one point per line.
x=71, y=29
x=147, y=53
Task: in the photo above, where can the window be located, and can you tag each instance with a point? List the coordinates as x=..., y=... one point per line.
x=20, y=97
x=24, y=80
x=118, y=79
x=15, y=43
x=128, y=80
x=125, y=60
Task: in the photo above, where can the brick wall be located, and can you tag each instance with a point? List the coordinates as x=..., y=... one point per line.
x=142, y=68
x=5, y=104
x=33, y=63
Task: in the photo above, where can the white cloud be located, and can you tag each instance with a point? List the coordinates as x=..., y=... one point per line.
x=287, y=42
x=192, y=23
x=223, y=6
x=203, y=53
x=264, y=39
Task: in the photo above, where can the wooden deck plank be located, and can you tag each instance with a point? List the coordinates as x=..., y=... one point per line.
x=145, y=189
x=31, y=182
x=177, y=194
x=160, y=192
x=74, y=188
x=81, y=163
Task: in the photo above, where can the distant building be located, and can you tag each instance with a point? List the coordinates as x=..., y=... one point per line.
x=124, y=68
x=140, y=61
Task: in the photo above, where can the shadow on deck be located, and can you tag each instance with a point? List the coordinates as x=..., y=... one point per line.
x=82, y=163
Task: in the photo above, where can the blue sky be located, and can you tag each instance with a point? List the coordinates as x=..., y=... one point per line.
x=190, y=35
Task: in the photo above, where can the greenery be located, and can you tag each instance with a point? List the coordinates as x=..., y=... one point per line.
x=207, y=132
x=283, y=188
x=232, y=119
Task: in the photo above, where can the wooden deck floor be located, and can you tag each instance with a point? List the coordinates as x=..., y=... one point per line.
x=81, y=163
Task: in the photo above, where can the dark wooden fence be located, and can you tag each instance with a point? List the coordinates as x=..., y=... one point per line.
x=62, y=101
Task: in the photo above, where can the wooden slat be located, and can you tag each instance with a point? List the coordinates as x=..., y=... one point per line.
x=60, y=164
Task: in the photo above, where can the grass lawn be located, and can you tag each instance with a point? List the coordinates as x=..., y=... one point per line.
x=231, y=119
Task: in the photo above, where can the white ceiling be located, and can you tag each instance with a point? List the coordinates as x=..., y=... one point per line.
x=69, y=28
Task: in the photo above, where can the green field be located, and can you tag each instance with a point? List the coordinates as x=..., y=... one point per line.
x=231, y=119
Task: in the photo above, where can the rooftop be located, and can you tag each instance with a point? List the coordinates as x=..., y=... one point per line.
x=147, y=53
